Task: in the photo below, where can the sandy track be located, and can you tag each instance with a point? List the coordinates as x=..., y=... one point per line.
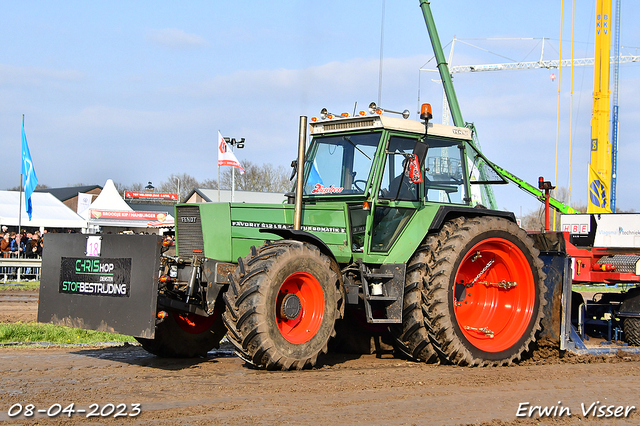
x=346, y=390
x=18, y=306
x=363, y=390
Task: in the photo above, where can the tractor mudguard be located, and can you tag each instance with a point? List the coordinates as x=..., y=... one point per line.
x=302, y=236
x=446, y=213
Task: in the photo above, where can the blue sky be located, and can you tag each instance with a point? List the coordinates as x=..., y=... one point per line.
x=135, y=91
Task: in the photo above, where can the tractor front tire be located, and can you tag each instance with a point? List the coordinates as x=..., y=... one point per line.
x=282, y=305
x=485, y=293
x=186, y=335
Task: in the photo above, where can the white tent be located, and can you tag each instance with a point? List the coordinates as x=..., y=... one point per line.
x=109, y=199
x=109, y=209
x=48, y=211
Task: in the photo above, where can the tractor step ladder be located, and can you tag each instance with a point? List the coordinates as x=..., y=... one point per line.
x=391, y=279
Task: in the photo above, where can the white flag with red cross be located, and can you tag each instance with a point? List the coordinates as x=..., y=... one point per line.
x=226, y=156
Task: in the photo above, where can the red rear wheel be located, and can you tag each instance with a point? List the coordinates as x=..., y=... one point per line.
x=485, y=292
x=186, y=335
x=495, y=295
x=196, y=324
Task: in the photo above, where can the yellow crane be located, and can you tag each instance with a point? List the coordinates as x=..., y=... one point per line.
x=600, y=165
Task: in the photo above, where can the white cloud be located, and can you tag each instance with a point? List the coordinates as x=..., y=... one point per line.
x=344, y=82
x=174, y=38
x=115, y=120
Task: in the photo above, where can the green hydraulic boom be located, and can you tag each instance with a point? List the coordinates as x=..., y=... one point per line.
x=456, y=114
x=561, y=207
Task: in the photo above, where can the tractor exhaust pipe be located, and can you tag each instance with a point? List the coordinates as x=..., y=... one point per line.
x=302, y=143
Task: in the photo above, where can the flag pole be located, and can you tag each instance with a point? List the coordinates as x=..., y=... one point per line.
x=233, y=178
x=20, y=198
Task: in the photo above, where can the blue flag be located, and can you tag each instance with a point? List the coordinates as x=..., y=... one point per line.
x=313, y=179
x=30, y=179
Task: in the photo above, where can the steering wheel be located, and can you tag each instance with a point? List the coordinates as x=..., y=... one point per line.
x=355, y=184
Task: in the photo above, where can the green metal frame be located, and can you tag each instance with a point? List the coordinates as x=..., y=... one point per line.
x=456, y=114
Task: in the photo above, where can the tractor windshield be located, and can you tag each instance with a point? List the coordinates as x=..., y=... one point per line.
x=340, y=164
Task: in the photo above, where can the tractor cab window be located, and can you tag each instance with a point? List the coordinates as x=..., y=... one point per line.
x=340, y=164
x=395, y=180
x=388, y=222
x=444, y=177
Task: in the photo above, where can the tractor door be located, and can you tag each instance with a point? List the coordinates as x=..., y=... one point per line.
x=399, y=194
x=441, y=179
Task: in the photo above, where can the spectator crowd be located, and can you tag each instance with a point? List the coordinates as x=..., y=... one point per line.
x=21, y=245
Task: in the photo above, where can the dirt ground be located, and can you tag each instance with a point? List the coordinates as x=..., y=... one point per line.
x=18, y=306
x=347, y=389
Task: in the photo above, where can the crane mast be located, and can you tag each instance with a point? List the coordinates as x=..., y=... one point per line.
x=600, y=165
x=614, y=109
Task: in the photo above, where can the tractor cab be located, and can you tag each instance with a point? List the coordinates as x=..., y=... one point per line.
x=387, y=168
x=383, y=157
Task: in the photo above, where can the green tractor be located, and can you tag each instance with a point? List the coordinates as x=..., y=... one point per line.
x=384, y=227
x=384, y=231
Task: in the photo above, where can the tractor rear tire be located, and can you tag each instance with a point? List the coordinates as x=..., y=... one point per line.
x=631, y=327
x=186, y=336
x=485, y=291
x=282, y=305
x=413, y=338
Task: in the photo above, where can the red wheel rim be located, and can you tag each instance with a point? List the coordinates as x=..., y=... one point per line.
x=195, y=324
x=493, y=318
x=304, y=326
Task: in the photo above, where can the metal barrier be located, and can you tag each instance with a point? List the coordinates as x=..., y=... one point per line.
x=20, y=268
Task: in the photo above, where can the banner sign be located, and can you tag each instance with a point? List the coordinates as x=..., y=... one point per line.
x=120, y=215
x=151, y=196
x=84, y=201
x=95, y=277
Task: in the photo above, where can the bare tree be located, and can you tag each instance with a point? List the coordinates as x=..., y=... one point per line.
x=121, y=188
x=38, y=186
x=534, y=220
x=136, y=187
x=209, y=184
x=181, y=184
x=264, y=178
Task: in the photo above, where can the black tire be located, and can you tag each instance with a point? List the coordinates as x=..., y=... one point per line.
x=413, y=338
x=256, y=315
x=186, y=336
x=631, y=327
x=474, y=321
